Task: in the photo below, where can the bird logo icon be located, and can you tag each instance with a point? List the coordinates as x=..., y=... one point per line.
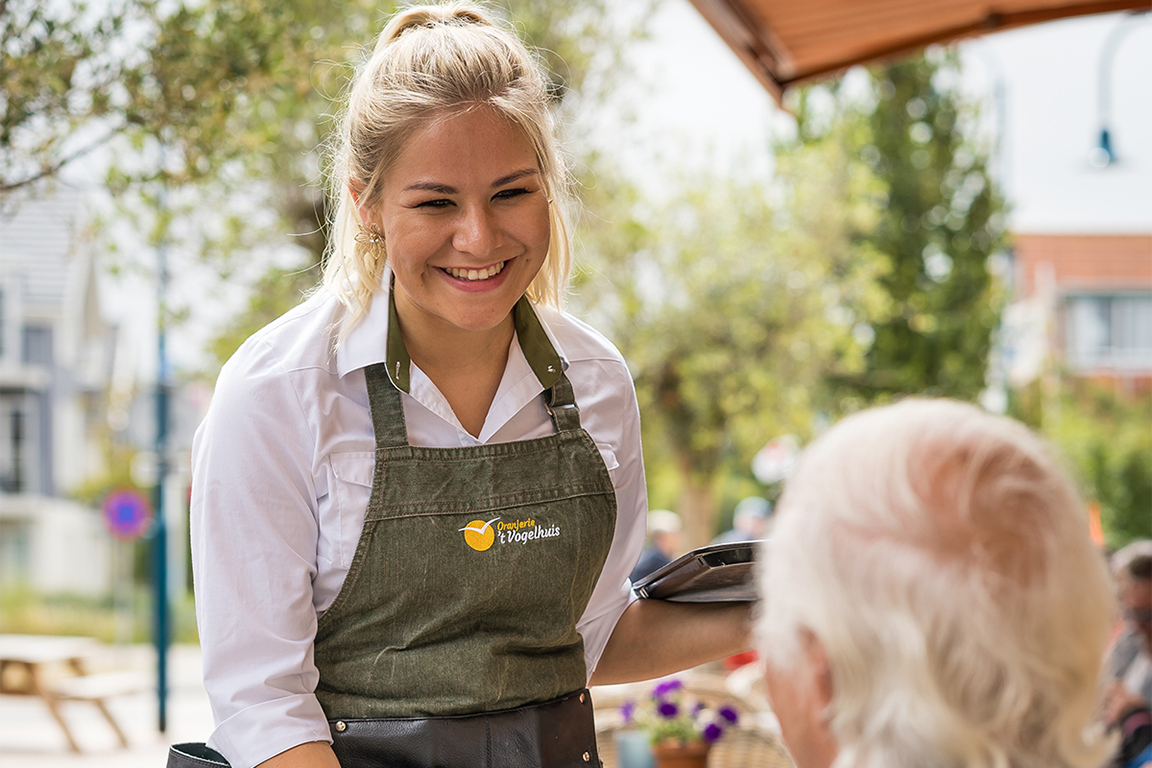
x=479, y=534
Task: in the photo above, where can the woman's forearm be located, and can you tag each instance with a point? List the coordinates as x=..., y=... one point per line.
x=314, y=754
x=655, y=638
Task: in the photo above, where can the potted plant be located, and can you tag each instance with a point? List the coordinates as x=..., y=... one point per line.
x=680, y=728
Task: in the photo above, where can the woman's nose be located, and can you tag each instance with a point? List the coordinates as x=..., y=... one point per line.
x=477, y=232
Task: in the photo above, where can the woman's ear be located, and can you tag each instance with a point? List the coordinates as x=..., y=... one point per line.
x=355, y=187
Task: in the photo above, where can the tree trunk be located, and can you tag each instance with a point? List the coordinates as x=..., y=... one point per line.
x=698, y=510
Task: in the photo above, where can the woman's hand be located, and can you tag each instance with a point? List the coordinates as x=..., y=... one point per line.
x=314, y=754
x=655, y=638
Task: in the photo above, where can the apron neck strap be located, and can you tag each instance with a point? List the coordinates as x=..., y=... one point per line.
x=387, y=380
x=561, y=405
x=386, y=406
x=535, y=344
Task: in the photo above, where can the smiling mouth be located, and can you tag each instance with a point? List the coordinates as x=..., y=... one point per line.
x=476, y=275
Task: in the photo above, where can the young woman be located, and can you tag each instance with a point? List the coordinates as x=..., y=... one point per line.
x=418, y=496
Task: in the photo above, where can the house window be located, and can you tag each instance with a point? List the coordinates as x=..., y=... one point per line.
x=13, y=444
x=1109, y=331
x=37, y=345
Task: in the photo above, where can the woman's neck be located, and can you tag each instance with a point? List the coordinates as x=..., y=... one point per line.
x=466, y=366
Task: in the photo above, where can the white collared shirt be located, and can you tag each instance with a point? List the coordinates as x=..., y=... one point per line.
x=282, y=471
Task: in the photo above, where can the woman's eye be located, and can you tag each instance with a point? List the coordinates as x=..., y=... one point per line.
x=434, y=204
x=508, y=194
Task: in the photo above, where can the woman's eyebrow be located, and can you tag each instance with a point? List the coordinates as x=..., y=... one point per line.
x=444, y=189
x=515, y=176
x=431, y=186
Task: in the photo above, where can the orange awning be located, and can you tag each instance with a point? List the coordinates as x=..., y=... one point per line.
x=787, y=41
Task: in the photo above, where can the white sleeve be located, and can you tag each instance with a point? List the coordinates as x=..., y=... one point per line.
x=254, y=535
x=612, y=416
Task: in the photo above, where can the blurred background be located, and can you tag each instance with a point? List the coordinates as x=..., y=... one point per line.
x=971, y=220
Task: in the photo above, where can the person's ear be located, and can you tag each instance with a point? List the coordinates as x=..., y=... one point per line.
x=355, y=188
x=821, y=670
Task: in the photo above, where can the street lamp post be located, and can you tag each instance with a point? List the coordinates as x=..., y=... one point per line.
x=160, y=523
x=1103, y=154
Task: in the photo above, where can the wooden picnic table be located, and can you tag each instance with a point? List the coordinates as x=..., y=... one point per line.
x=30, y=665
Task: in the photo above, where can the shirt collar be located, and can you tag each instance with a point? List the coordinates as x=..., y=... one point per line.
x=362, y=346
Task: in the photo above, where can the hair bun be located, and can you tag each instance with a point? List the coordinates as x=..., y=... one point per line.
x=431, y=16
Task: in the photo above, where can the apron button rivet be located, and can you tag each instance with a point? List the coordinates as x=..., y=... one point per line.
x=587, y=757
x=341, y=726
x=581, y=698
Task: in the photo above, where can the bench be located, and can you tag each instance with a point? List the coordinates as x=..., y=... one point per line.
x=25, y=670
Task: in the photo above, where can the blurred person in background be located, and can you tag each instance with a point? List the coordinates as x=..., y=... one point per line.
x=663, y=543
x=750, y=521
x=1129, y=690
x=932, y=597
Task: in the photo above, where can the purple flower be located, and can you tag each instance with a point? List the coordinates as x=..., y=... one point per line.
x=666, y=688
x=712, y=732
x=668, y=709
x=729, y=714
x=628, y=710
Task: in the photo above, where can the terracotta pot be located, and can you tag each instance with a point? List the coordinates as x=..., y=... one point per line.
x=694, y=755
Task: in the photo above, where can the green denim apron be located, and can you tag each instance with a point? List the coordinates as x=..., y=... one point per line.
x=474, y=563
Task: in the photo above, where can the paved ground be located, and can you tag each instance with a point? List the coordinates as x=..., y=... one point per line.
x=30, y=737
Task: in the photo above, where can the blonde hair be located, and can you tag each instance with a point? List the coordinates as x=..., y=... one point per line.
x=943, y=560
x=431, y=61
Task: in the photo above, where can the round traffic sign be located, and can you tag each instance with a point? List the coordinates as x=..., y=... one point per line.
x=127, y=513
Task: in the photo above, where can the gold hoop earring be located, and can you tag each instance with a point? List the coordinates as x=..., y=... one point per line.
x=369, y=244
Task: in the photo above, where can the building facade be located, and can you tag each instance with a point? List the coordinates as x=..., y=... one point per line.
x=1096, y=293
x=56, y=356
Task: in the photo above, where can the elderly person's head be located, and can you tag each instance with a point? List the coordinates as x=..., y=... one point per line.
x=932, y=597
x=751, y=515
x=664, y=531
x=1132, y=567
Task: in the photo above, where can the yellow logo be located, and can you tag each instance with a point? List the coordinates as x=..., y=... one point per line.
x=479, y=534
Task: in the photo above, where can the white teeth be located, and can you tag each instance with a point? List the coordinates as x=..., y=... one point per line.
x=476, y=274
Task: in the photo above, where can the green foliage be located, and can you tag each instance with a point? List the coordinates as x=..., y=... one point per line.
x=1107, y=437
x=107, y=618
x=731, y=313
x=118, y=460
x=941, y=219
x=866, y=277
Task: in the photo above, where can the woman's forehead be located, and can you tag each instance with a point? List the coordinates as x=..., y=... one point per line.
x=478, y=145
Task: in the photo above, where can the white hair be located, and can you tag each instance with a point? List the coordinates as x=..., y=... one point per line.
x=1132, y=561
x=943, y=560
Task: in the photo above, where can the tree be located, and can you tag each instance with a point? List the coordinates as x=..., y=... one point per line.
x=1105, y=436
x=942, y=222
x=731, y=313
x=79, y=75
